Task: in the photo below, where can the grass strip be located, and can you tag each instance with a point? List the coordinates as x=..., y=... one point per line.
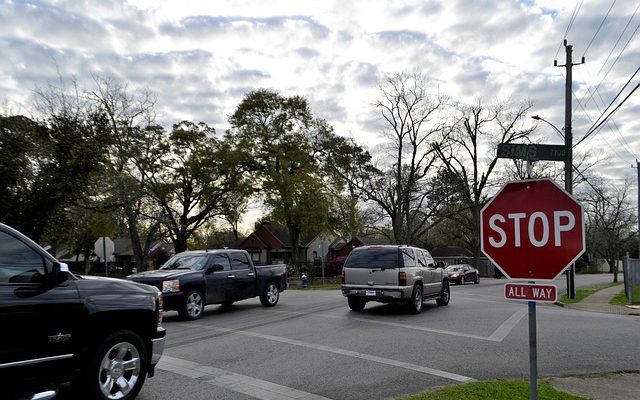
x=494, y=390
x=621, y=298
x=317, y=286
x=585, y=292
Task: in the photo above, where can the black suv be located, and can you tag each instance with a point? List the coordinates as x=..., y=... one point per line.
x=103, y=335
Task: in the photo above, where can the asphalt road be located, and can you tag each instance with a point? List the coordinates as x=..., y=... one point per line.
x=311, y=346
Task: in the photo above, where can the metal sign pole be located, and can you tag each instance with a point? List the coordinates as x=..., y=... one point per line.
x=104, y=253
x=533, y=353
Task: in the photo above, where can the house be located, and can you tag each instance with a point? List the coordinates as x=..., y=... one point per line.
x=341, y=249
x=452, y=255
x=271, y=244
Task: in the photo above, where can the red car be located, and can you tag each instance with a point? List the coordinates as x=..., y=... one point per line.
x=462, y=273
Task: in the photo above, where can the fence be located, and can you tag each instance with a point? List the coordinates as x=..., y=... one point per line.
x=631, y=269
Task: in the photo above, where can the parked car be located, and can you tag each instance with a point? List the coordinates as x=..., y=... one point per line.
x=462, y=273
x=393, y=274
x=103, y=334
x=192, y=279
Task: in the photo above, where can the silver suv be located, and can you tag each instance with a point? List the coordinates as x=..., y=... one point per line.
x=393, y=274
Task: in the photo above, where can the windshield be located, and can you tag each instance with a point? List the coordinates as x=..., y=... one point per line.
x=373, y=258
x=453, y=268
x=186, y=261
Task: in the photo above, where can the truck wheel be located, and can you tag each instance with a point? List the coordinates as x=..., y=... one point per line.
x=355, y=303
x=415, y=304
x=271, y=295
x=445, y=294
x=192, y=305
x=117, y=368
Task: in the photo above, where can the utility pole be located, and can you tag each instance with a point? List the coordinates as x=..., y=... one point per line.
x=568, y=143
x=638, y=171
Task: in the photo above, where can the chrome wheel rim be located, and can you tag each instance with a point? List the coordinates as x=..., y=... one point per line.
x=272, y=294
x=445, y=293
x=418, y=299
x=119, y=370
x=194, y=305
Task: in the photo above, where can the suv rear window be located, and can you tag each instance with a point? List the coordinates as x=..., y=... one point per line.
x=373, y=258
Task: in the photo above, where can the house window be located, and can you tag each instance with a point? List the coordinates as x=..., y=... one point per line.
x=255, y=257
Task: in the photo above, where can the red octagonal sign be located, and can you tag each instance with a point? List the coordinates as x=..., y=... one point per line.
x=532, y=230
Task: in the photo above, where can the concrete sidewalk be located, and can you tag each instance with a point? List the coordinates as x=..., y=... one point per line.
x=599, y=302
x=610, y=386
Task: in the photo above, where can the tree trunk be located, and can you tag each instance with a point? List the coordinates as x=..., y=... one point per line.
x=613, y=268
x=136, y=245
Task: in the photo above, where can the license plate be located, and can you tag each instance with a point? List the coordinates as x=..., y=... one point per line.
x=370, y=292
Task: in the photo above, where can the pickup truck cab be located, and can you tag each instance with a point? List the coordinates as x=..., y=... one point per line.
x=393, y=274
x=103, y=335
x=192, y=279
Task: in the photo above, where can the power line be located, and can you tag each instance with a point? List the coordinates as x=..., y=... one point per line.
x=615, y=98
x=598, y=30
x=576, y=10
x=622, y=140
x=617, y=57
x=597, y=127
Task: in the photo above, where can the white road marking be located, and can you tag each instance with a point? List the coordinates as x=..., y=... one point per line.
x=253, y=387
x=348, y=353
x=497, y=336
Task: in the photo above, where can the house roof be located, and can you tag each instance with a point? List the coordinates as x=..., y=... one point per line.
x=274, y=237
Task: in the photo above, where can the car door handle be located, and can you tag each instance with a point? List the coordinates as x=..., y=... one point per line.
x=251, y=274
x=231, y=276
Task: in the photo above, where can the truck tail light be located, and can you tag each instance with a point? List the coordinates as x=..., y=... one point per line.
x=342, y=276
x=402, y=279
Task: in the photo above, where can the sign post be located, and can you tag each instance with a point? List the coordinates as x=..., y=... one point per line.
x=532, y=230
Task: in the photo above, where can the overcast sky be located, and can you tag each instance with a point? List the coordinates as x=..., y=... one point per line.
x=201, y=57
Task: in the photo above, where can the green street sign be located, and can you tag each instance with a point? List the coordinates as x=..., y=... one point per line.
x=532, y=152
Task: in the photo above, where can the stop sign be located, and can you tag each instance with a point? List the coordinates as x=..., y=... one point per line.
x=532, y=230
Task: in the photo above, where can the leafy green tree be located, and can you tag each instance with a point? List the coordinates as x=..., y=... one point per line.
x=191, y=177
x=275, y=135
x=52, y=172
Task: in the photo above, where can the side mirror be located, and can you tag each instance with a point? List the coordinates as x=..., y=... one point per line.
x=440, y=264
x=431, y=265
x=59, y=272
x=215, y=268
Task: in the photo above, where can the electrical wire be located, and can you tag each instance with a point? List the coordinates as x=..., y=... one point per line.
x=598, y=30
x=597, y=127
x=611, y=52
x=576, y=10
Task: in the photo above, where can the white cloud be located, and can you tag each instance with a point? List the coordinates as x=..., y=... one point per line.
x=201, y=57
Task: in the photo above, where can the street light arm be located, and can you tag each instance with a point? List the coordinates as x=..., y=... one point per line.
x=539, y=118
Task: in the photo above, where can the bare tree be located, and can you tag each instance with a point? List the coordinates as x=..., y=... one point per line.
x=415, y=125
x=130, y=117
x=478, y=130
x=610, y=221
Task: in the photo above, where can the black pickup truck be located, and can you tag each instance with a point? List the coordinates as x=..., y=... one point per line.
x=193, y=279
x=103, y=335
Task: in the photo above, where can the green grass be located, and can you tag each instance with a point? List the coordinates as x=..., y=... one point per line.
x=621, y=298
x=494, y=390
x=584, y=292
x=318, y=286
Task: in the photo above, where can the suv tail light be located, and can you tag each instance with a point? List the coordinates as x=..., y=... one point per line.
x=342, y=277
x=159, y=308
x=402, y=279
